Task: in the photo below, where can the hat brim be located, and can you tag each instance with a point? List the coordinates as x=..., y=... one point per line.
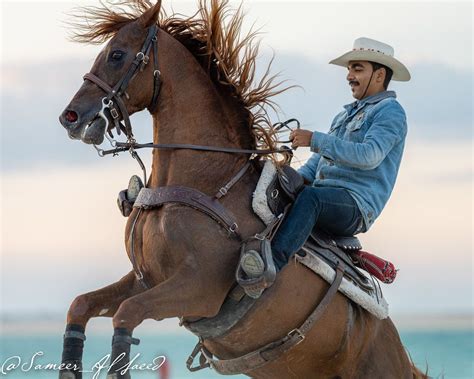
x=400, y=72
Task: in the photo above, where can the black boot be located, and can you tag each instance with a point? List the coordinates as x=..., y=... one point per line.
x=73, y=347
x=120, y=358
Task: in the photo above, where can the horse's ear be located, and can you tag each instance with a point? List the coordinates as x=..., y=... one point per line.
x=151, y=15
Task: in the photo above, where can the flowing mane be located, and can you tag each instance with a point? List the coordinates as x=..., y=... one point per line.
x=213, y=35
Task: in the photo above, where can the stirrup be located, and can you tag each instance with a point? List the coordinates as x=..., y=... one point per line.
x=254, y=286
x=134, y=187
x=127, y=197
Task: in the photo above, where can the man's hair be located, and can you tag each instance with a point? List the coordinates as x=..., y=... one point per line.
x=388, y=72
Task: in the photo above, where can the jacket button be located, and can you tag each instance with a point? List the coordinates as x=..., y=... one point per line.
x=321, y=176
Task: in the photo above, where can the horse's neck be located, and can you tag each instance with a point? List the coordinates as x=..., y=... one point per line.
x=191, y=111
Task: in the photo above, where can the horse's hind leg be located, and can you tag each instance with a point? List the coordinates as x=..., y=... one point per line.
x=103, y=302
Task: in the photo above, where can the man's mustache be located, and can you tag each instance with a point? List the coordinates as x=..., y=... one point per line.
x=354, y=82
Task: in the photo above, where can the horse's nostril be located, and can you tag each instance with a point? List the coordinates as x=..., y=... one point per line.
x=71, y=116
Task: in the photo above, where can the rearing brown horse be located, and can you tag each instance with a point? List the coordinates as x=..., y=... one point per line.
x=205, y=72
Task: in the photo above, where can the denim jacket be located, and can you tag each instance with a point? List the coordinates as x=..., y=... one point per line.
x=361, y=152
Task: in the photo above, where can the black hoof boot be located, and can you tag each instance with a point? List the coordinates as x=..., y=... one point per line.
x=120, y=358
x=73, y=346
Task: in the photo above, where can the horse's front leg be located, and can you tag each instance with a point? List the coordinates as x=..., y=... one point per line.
x=184, y=294
x=103, y=302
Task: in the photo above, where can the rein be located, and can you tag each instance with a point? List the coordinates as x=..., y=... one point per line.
x=125, y=146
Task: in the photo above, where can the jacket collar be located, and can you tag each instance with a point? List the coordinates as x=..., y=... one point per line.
x=369, y=100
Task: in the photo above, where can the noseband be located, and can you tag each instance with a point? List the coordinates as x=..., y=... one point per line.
x=114, y=95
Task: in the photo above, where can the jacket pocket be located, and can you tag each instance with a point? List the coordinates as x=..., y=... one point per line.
x=354, y=125
x=354, y=131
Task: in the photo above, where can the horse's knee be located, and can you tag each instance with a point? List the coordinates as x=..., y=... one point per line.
x=129, y=315
x=78, y=309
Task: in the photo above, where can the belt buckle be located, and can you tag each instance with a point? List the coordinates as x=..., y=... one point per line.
x=296, y=332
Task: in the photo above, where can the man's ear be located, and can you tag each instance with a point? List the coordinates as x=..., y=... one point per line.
x=150, y=16
x=381, y=72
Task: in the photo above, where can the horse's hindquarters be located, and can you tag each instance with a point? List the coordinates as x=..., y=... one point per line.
x=282, y=308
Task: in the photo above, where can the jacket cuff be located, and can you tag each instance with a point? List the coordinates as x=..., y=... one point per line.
x=319, y=142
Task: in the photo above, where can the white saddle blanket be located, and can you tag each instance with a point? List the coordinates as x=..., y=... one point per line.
x=374, y=304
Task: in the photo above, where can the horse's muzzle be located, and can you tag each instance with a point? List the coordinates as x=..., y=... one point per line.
x=89, y=131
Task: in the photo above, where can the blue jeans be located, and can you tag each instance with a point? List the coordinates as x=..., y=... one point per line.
x=330, y=209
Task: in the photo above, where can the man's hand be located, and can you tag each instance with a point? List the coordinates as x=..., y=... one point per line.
x=300, y=137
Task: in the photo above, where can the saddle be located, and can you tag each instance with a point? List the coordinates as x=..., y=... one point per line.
x=279, y=187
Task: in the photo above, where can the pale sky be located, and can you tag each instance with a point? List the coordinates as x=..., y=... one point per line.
x=59, y=218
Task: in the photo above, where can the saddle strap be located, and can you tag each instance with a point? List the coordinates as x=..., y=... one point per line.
x=155, y=197
x=273, y=350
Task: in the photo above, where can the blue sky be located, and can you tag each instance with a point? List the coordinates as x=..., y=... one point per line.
x=57, y=194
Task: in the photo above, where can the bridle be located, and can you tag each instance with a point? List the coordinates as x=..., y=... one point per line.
x=113, y=100
x=114, y=95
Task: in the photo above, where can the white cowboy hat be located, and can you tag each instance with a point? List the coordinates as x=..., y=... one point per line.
x=366, y=49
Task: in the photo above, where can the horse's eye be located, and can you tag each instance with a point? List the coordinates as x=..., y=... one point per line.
x=117, y=55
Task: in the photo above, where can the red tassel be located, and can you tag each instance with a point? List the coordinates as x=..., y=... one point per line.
x=380, y=268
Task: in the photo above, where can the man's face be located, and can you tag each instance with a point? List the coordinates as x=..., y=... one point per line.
x=358, y=76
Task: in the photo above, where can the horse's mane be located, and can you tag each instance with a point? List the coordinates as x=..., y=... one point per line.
x=213, y=36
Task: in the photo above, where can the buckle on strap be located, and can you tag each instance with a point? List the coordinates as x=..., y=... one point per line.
x=223, y=191
x=114, y=113
x=204, y=360
x=233, y=228
x=298, y=334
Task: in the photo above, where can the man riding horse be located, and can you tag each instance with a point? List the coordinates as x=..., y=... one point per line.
x=354, y=166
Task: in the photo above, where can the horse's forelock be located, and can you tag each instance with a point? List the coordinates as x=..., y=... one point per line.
x=96, y=25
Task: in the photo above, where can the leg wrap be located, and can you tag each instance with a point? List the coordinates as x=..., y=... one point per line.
x=73, y=346
x=121, y=342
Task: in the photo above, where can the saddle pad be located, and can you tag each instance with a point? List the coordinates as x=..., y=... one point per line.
x=374, y=304
x=259, y=202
